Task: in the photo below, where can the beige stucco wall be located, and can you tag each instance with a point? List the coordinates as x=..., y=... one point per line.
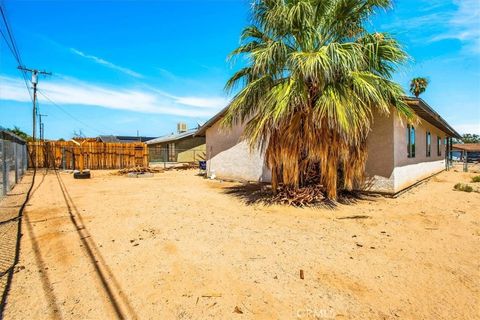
x=388, y=169
x=380, y=160
x=229, y=157
x=409, y=171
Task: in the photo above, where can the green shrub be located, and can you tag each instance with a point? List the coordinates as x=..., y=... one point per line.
x=463, y=187
x=476, y=179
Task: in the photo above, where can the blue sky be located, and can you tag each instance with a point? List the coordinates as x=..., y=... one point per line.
x=123, y=66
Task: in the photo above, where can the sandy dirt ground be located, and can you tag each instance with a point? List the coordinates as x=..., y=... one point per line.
x=177, y=246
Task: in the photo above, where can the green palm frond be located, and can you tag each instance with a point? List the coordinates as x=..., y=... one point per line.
x=313, y=79
x=418, y=86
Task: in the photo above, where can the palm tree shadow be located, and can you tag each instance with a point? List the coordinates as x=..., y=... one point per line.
x=261, y=193
x=251, y=193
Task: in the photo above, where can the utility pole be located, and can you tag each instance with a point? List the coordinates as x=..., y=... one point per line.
x=42, y=126
x=35, y=74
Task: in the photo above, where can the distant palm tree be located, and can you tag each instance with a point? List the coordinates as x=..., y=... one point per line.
x=17, y=131
x=418, y=86
x=313, y=76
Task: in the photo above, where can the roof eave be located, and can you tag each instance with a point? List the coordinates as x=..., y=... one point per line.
x=173, y=138
x=441, y=123
x=203, y=129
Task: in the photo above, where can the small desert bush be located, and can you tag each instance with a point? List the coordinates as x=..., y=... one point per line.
x=476, y=179
x=463, y=187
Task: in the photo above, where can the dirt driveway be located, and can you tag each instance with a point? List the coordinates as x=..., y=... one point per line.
x=177, y=246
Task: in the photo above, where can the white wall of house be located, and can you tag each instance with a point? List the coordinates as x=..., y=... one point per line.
x=230, y=158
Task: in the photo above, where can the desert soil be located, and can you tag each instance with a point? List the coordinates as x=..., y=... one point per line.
x=177, y=246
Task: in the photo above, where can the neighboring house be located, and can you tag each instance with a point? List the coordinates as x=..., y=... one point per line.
x=399, y=155
x=182, y=146
x=123, y=139
x=469, y=152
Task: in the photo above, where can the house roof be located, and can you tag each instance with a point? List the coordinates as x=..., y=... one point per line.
x=127, y=139
x=470, y=147
x=419, y=106
x=424, y=111
x=8, y=135
x=123, y=139
x=201, y=131
x=172, y=137
x=108, y=139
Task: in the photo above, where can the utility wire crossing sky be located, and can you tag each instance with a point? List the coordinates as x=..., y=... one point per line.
x=127, y=66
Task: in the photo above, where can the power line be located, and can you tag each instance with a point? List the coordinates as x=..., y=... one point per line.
x=8, y=44
x=68, y=113
x=10, y=35
x=14, y=49
x=16, y=54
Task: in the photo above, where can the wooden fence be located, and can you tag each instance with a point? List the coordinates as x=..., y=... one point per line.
x=97, y=155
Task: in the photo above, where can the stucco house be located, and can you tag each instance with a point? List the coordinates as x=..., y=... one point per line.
x=183, y=146
x=399, y=155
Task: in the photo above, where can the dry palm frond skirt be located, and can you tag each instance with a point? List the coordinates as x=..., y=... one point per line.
x=307, y=172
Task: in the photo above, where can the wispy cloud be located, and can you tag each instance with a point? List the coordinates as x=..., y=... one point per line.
x=75, y=92
x=106, y=63
x=201, y=102
x=462, y=128
x=442, y=20
x=194, y=101
x=464, y=25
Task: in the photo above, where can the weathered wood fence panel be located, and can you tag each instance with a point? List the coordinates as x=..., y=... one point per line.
x=97, y=155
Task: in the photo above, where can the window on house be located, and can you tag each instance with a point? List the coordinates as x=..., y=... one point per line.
x=428, y=139
x=439, y=146
x=411, y=141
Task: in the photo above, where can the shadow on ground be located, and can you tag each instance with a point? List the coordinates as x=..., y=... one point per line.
x=12, y=210
x=261, y=193
x=114, y=293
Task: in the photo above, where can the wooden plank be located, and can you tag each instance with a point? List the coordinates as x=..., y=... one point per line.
x=97, y=155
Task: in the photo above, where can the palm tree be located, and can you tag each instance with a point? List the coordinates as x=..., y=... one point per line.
x=313, y=77
x=17, y=131
x=418, y=86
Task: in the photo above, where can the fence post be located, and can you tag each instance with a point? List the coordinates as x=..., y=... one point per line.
x=64, y=160
x=446, y=155
x=24, y=159
x=165, y=155
x=5, y=188
x=16, y=161
x=73, y=158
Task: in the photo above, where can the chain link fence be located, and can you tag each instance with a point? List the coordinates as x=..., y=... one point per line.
x=13, y=160
x=172, y=156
